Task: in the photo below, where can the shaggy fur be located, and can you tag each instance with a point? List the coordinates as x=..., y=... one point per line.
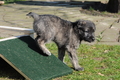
x=67, y=35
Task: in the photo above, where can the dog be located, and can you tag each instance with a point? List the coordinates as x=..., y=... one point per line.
x=66, y=34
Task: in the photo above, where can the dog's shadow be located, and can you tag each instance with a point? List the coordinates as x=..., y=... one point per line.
x=32, y=44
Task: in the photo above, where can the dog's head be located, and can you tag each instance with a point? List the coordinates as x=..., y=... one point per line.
x=85, y=29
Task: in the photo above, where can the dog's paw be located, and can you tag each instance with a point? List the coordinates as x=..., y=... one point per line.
x=47, y=53
x=79, y=69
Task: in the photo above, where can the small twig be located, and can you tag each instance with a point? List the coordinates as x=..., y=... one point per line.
x=100, y=36
x=113, y=24
x=119, y=37
x=118, y=20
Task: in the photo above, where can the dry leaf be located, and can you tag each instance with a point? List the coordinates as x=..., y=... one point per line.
x=106, y=51
x=100, y=74
x=94, y=47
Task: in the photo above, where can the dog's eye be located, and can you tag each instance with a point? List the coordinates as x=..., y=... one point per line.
x=81, y=29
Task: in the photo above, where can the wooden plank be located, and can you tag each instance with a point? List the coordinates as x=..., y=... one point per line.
x=14, y=67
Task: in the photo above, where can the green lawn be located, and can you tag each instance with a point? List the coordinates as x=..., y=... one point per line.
x=101, y=62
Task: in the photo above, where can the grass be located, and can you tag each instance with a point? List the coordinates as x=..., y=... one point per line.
x=1, y=37
x=101, y=62
x=91, y=9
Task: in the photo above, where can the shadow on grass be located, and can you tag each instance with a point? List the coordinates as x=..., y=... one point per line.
x=6, y=71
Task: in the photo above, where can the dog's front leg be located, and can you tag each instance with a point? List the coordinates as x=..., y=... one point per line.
x=41, y=44
x=74, y=59
x=61, y=53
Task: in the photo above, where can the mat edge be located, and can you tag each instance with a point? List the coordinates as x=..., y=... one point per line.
x=9, y=38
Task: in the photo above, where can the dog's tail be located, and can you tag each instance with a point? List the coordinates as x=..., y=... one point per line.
x=33, y=15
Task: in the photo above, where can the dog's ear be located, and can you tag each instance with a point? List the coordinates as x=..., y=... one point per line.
x=79, y=26
x=81, y=23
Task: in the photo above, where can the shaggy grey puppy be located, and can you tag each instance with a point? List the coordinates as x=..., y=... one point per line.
x=67, y=35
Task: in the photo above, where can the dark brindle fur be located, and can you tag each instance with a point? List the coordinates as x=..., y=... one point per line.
x=67, y=35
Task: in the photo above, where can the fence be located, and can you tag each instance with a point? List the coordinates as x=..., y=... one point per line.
x=16, y=29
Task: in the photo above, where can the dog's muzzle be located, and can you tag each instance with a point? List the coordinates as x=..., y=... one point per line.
x=89, y=39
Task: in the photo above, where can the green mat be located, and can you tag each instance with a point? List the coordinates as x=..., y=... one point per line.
x=25, y=57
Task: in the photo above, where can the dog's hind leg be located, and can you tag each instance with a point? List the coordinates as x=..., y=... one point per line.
x=41, y=44
x=74, y=59
x=61, y=53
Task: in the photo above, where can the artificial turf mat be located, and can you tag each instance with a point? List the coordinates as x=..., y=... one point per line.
x=26, y=58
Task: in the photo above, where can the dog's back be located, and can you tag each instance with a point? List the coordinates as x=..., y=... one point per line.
x=48, y=27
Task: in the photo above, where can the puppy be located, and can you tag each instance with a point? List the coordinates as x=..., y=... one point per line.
x=67, y=35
